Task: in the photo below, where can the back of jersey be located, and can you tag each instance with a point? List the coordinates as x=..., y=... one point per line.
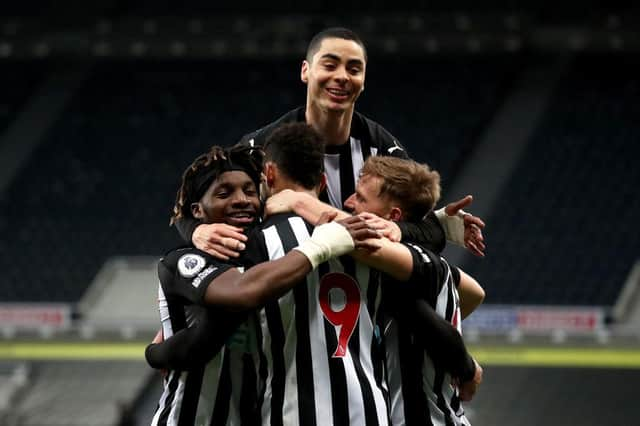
x=318, y=362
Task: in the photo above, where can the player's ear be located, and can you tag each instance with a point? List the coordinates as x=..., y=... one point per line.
x=197, y=210
x=270, y=173
x=304, y=72
x=395, y=214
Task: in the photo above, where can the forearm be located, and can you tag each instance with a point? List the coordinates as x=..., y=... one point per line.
x=267, y=280
x=392, y=258
x=310, y=208
x=196, y=344
x=440, y=339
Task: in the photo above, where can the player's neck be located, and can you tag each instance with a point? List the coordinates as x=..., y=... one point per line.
x=287, y=184
x=334, y=126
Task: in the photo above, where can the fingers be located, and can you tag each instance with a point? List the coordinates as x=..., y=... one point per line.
x=473, y=248
x=456, y=206
x=326, y=217
x=467, y=391
x=473, y=238
x=471, y=220
x=369, y=245
x=228, y=231
x=368, y=216
x=363, y=234
x=359, y=228
x=159, y=337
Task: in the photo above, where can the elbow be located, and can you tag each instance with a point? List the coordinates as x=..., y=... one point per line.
x=247, y=300
x=481, y=295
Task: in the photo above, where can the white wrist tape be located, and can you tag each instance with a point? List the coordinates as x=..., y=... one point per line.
x=453, y=225
x=328, y=240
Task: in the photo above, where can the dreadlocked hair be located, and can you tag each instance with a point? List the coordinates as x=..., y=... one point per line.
x=207, y=167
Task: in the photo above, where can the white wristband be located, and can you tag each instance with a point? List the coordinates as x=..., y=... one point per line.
x=453, y=225
x=328, y=240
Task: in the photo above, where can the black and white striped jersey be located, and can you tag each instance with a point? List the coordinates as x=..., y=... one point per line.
x=420, y=392
x=221, y=391
x=320, y=362
x=342, y=163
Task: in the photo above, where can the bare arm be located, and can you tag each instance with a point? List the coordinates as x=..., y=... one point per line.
x=471, y=294
x=242, y=291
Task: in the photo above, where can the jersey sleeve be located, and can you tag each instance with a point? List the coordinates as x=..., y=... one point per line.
x=256, y=250
x=251, y=139
x=428, y=275
x=186, y=227
x=186, y=274
x=196, y=344
x=455, y=275
x=427, y=233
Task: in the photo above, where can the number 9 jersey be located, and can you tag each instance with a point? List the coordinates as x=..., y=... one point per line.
x=319, y=358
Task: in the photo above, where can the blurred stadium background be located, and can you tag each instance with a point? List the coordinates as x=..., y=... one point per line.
x=531, y=106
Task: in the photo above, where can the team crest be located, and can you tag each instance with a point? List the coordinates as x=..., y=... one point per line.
x=190, y=264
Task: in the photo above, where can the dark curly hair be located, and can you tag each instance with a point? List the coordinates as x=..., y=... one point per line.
x=298, y=151
x=207, y=167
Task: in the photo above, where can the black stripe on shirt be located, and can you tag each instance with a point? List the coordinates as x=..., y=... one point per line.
x=440, y=401
x=274, y=323
x=223, y=396
x=168, y=402
x=248, y=410
x=304, y=366
x=347, y=184
x=191, y=396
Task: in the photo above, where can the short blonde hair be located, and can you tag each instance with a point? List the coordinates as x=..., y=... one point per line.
x=414, y=186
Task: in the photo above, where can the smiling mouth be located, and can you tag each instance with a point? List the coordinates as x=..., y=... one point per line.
x=338, y=93
x=241, y=217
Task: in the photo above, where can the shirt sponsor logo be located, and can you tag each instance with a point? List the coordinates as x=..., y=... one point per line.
x=202, y=275
x=190, y=264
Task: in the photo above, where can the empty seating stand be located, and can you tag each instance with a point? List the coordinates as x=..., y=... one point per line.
x=564, y=230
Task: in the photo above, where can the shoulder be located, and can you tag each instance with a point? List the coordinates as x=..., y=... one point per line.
x=379, y=137
x=189, y=262
x=425, y=261
x=285, y=220
x=258, y=137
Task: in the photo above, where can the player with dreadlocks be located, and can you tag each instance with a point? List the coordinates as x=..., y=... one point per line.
x=221, y=186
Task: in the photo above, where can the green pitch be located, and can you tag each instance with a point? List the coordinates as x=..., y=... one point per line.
x=596, y=357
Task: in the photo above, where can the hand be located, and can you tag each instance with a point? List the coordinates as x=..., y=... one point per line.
x=219, y=240
x=282, y=202
x=473, y=225
x=468, y=389
x=363, y=235
x=158, y=339
x=387, y=228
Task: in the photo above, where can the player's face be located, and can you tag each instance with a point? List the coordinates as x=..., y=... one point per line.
x=231, y=199
x=335, y=75
x=367, y=198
